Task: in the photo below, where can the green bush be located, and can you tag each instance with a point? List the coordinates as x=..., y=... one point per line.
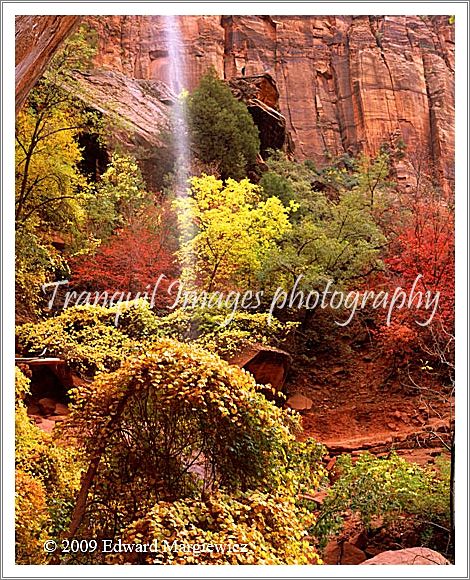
x=222, y=130
x=216, y=330
x=387, y=488
x=85, y=336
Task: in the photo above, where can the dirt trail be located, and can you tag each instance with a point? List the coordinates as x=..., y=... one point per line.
x=353, y=411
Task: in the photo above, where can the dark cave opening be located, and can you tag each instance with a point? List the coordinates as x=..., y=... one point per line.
x=95, y=158
x=52, y=381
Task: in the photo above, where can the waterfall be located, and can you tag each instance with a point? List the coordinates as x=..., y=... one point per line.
x=177, y=82
x=176, y=78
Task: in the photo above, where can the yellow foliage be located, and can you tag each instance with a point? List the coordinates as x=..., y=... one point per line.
x=31, y=519
x=227, y=231
x=247, y=528
x=53, y=467
x=176, y=421
x=47, y=176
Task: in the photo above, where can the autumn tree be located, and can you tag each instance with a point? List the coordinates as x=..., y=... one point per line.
x=48, y=182
x=130, y=240
x=227, y=232
x=334, y=235
x=116, y=197
x=222, y=131
x=131, y=260
x=173, y=425
x=49, y=188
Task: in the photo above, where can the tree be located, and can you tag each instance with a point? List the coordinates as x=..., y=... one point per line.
x=119, y=196
x=131, y=260
x=177, y=422
x=49, y=189
x=47, y=155
x=221, y=129
x=425, y=246
x=334, y=234
x=48, y=181
x=227, y=232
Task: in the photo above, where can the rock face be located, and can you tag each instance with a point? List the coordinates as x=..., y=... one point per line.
x=261, y=96
x=346, y=83
x=268, y=365
x=36, y=40
x=408, y=556
x=137, y=109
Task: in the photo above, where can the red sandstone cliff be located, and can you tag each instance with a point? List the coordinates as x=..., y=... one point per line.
x=346, y=84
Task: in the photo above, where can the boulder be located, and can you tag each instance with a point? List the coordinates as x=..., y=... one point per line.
x=47, y=405
x=408, y=556
x=61, y=409
x=268, y=365
x=260, y=94
x=46, y=425
x=342, y=553
x=299, y=402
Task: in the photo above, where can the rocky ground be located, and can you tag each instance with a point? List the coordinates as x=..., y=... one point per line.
x=350, y=408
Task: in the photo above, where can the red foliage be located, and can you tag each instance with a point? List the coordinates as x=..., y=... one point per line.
x=426, y=247
x=131, y=261
x=423, y=246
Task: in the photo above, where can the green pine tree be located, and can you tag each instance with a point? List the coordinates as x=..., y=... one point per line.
x=221, y=128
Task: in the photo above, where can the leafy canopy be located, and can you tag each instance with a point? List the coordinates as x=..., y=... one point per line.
x=389, y=488
x=228, y=232
x=334, y=233
x=271, y=526
x=179, y=422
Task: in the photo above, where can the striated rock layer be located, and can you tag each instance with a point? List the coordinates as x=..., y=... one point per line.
x=346, y=83
x=36, y=40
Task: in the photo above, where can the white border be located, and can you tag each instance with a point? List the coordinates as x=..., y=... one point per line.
x=11, y=9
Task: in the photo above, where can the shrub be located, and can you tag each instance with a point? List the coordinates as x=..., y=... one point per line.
x=387, y=488
x=220, y=333
x=222, y=130
x=85, y=336
x=269, y=528
x=174, y=423
x=22, y=384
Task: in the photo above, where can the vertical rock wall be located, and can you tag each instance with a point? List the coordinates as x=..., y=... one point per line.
x=346, y=84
